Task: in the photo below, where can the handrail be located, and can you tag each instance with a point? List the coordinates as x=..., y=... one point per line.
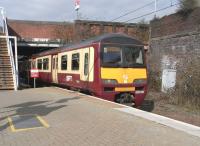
x=13, y=67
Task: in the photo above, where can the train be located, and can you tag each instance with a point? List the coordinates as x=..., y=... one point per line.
x=110, y=66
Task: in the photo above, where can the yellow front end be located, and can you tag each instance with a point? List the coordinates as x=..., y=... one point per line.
x=123, y=76
x=124, y=85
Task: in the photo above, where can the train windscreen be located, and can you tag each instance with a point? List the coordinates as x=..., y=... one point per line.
x=122, y=56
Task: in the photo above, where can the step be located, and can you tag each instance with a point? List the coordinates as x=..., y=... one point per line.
x=4, y=51
x=2, y=57
x=6, y=83
x=4, y=69
x=3, y=46
x=6, y=78
x=3, y=41
x=3, y=66
x=10, y=78
x=5, y=62
x=5, y=75
x=7, y=88
x=2, y=72
x=5, y=72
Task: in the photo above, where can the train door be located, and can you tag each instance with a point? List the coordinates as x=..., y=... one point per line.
x=55, y=69
x=87, y=71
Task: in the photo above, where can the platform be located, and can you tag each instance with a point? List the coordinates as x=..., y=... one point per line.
x=71, y=118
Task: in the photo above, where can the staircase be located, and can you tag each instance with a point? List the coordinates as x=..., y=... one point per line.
x=8, y=63
x=6, y=73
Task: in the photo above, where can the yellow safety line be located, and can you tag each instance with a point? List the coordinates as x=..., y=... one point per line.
x=45, y=124
x=13, y=129
x=26, y=129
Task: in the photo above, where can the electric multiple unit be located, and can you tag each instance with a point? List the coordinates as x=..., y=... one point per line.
x=111, y=66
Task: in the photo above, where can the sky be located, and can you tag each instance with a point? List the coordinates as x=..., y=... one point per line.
x=102, y=10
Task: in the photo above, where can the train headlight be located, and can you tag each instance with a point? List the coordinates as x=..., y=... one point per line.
x=138, y=82
x=109, y=81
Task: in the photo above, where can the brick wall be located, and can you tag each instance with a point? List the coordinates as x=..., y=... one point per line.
x=36, y=29
x=87, y=29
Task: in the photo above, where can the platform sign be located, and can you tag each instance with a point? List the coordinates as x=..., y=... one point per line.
x=34, y=75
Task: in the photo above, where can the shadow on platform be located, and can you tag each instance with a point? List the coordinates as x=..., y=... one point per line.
x=41, y=108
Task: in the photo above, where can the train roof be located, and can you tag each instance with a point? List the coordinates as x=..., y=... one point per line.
x=110, y=38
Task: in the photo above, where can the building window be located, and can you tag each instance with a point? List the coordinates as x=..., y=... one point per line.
x=39, y=64
x=64, y=62
x=86, y=64
x=45, y=63
x=75, y=61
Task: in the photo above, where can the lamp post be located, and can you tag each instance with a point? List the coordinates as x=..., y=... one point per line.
x=155, y=9
x=3, y=17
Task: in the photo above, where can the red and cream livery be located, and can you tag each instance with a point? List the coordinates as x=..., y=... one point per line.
x=111, y=66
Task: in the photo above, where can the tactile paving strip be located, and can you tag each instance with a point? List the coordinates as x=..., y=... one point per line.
x=26, y=122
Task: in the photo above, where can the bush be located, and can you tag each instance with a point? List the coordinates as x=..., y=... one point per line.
x=188, y=89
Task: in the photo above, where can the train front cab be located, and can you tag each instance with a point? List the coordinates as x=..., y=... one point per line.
x=123, y=73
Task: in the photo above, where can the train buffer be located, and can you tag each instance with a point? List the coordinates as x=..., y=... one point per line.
x=55, y=116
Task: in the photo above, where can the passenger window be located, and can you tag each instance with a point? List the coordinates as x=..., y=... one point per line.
x=56, y=62
x=86, y=64
x=64, y=62
x=39, y=64
x=45, y=63
x=75, y=61
x=53, y=63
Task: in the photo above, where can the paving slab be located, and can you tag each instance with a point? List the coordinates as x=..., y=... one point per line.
x=78, y=119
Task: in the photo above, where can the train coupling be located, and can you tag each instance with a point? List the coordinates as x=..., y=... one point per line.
x=125, y=98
